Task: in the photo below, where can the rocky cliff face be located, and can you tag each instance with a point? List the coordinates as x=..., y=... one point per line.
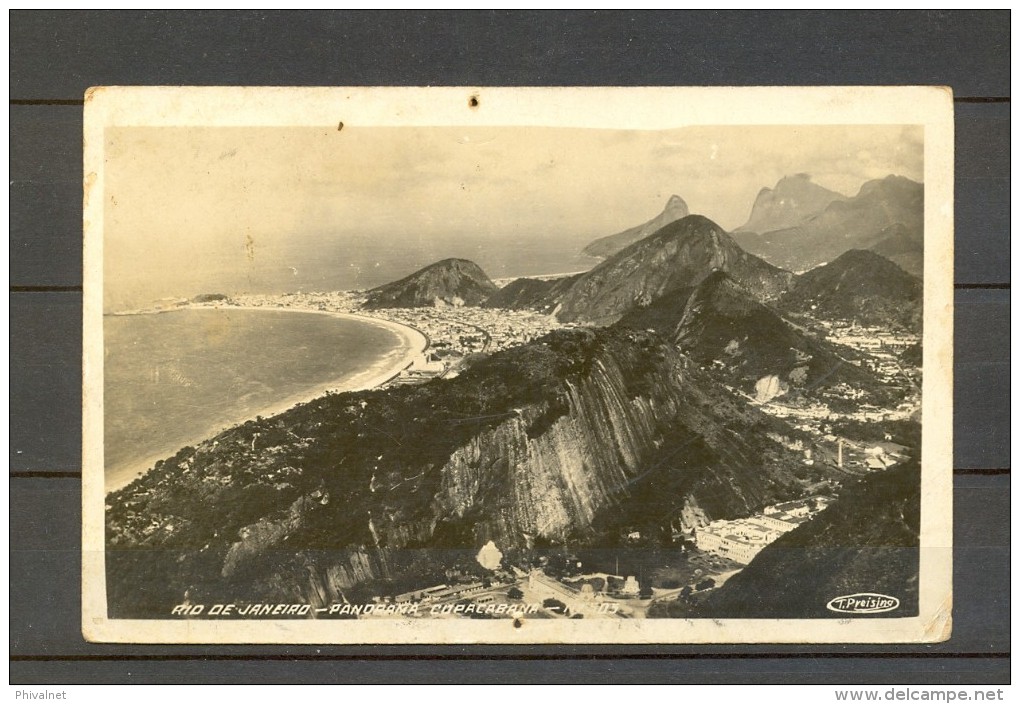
x=448, y=282
x=676, y=208
x=555, y=475
x=549, y=442
x=679, y=255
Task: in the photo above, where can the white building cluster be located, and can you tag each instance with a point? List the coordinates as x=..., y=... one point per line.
x=742, y=539
x=452, y=330
x=868, y=338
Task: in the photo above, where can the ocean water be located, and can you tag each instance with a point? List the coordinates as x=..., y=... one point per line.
x=363, y=262
x=174, y=378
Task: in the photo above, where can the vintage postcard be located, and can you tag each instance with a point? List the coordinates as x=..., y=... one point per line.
x=493, y=365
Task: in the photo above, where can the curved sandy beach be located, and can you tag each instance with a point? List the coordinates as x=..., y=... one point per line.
x=413, y=343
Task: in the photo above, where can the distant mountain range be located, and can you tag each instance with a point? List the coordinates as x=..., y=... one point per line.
x=676, y=208
x=858, y=285
x=795, y=226
x=886, y=215
x=449, y=282
x=681, y=254
x=794, y=201
x=798, y=224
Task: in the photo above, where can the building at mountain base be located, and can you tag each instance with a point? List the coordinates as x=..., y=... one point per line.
x=742, y=539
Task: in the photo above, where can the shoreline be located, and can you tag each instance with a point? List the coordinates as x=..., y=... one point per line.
x=502, y=281
x=413, y=342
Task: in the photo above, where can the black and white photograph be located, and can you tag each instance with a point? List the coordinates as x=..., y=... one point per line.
x=518, y=365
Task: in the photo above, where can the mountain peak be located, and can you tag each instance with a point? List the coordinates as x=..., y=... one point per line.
x=675, y=202
x=892, y=183
x=857, y=257
x=858, y=285
x=681, y=254
x=793, y=179
x=870, y=263
x=794, y=200
x=453, y=262
x=676, y=208
x=691, y=229
x=691, y=224
x=449, y=281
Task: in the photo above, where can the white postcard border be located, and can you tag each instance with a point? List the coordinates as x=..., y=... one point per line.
x=617, y=108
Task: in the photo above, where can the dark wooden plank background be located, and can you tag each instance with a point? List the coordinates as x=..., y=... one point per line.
x=55, y=56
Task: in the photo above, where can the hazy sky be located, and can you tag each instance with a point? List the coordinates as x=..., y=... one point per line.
x=187, y=204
